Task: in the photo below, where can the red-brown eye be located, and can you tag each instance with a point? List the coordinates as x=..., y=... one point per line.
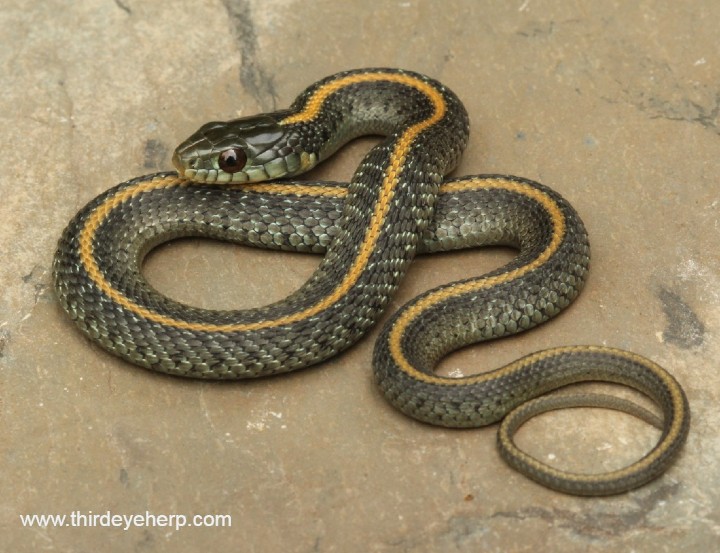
x=232, y=161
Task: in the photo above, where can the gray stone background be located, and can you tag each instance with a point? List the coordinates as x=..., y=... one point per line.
x=615, y=104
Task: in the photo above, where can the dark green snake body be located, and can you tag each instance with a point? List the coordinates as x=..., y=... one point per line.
x=395, y=206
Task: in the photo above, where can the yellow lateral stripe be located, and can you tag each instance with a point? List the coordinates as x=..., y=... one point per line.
x=390, y=181
x=285, y=189
x=673, y=432
x=398, y=330
x=318, y=190
x=416, y=310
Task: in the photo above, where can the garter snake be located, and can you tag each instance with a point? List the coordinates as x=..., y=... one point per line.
x=396, y=205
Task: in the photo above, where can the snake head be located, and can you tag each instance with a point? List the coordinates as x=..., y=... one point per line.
x=250, y=149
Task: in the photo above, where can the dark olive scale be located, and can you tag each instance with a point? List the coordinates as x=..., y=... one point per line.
x=396, y=205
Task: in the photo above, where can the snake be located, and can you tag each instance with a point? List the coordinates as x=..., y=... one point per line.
x=234, y=181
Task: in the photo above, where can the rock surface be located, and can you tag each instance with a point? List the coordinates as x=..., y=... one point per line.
x=613, y=104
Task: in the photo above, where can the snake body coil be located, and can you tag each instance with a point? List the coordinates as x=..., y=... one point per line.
x=396, y=205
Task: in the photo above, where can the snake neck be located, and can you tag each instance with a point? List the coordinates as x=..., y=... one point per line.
x=381, y=102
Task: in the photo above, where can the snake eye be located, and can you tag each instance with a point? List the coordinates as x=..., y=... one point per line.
x=233, y=160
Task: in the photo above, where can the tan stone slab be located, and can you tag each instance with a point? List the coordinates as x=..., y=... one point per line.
x=614, y=104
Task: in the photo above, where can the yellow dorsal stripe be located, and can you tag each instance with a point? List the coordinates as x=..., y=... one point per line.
x=410, y=314
x=387, y=190
x=315, y=103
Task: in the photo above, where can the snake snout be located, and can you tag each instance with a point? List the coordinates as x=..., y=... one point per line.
x=178, y=163
x=190, y=164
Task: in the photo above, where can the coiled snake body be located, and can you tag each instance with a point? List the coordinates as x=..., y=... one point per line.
x=396, y=205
